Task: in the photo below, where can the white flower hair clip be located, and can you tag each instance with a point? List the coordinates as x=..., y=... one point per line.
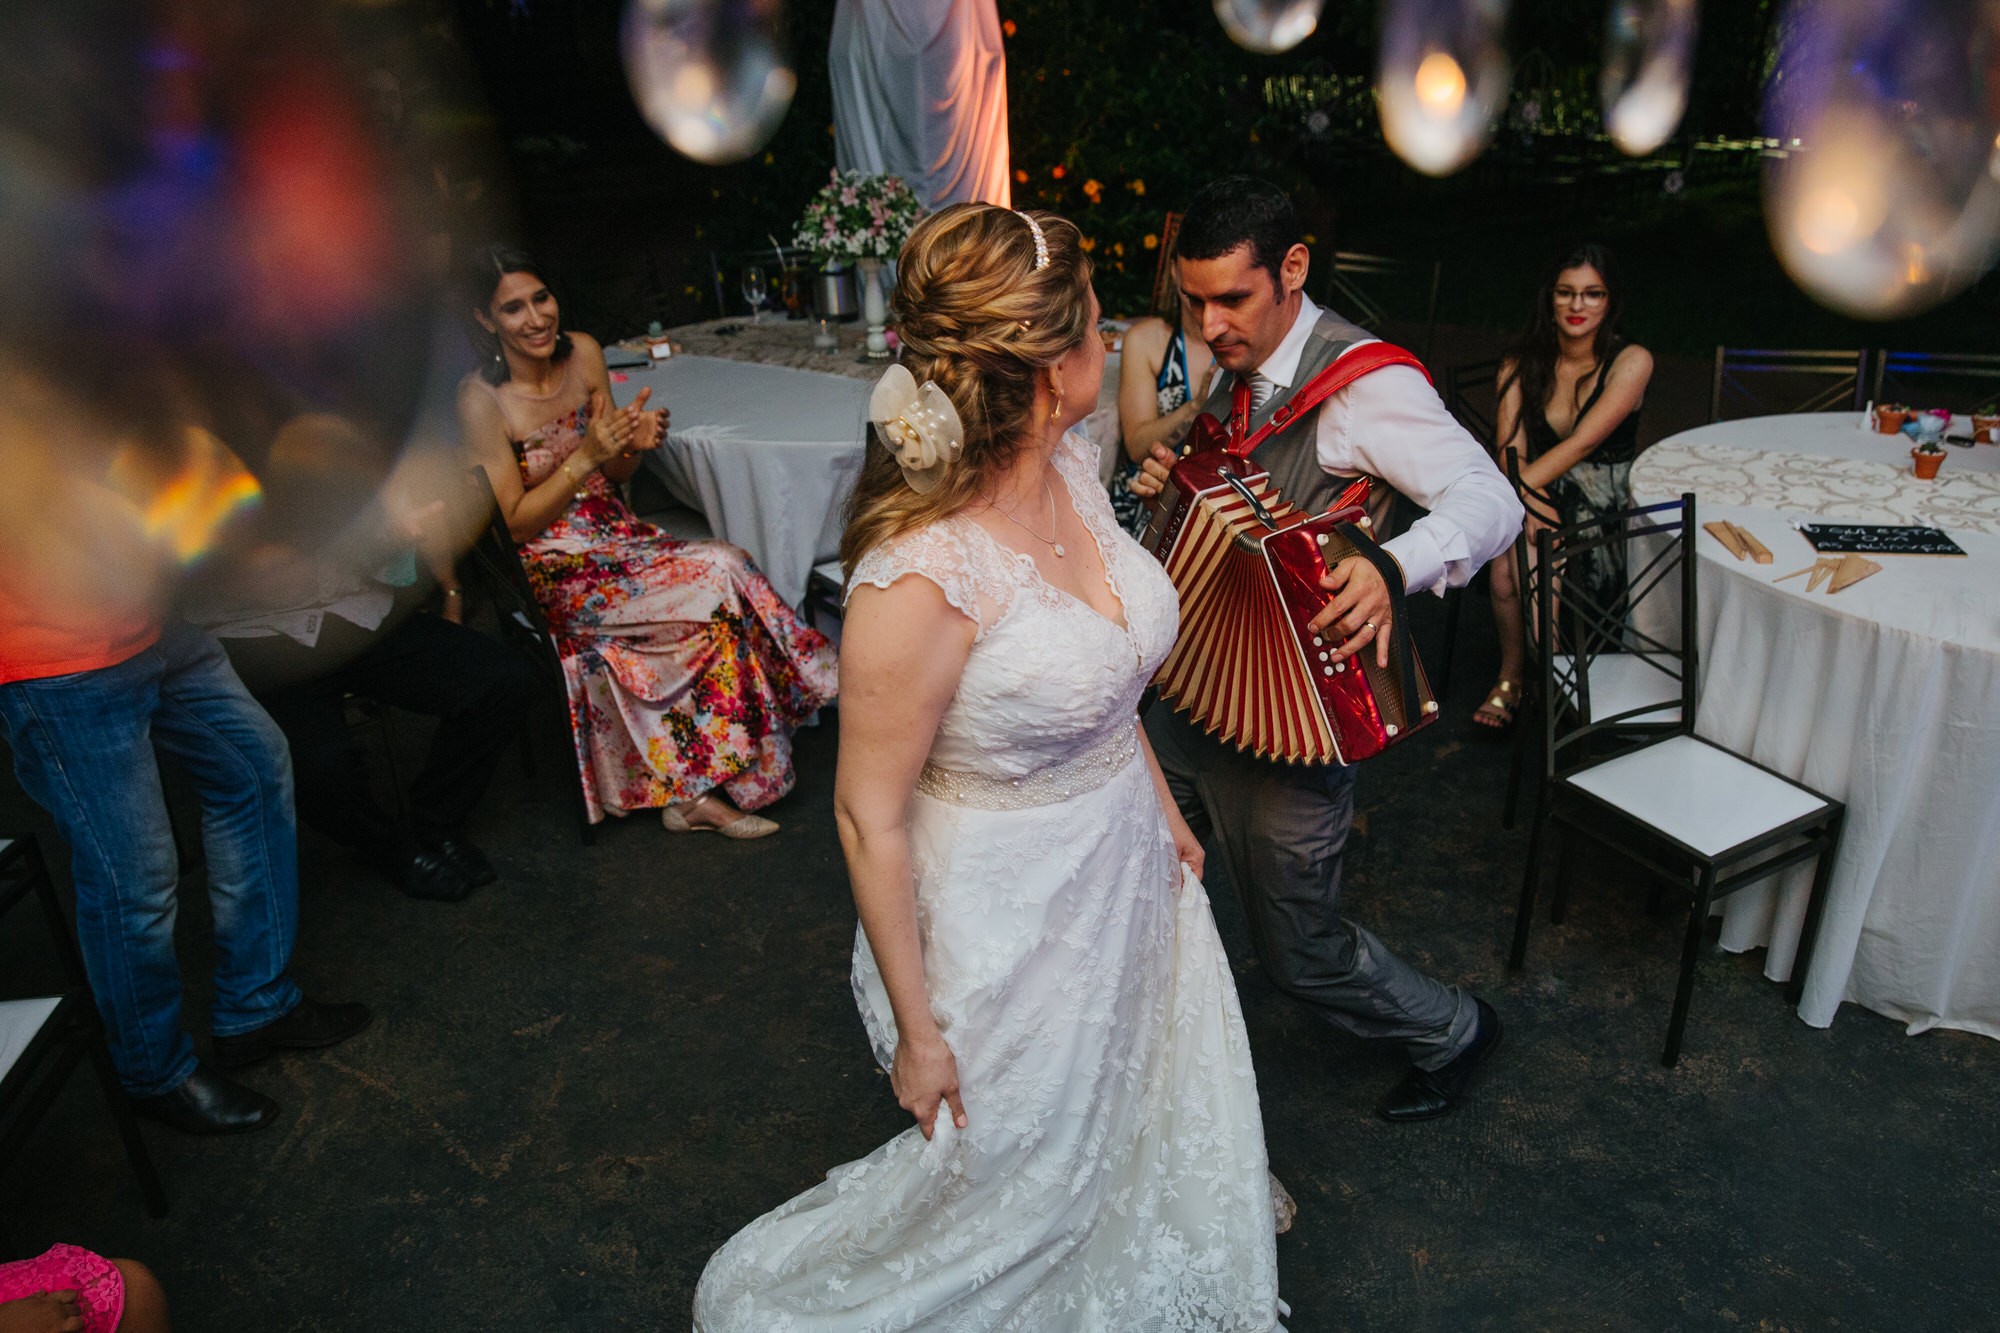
x=919, y=425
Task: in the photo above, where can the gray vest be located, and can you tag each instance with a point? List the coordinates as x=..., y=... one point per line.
x=1291, y=456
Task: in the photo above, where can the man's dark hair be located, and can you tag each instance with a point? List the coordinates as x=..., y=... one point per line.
x=1237, y=210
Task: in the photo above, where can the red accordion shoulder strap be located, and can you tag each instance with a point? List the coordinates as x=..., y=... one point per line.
x=1344, y=371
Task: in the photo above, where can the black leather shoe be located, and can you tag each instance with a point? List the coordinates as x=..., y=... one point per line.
x=209, y=1103
x=469, y=861
x=428, y=874
x=309, y=1026
x=1426, y=1094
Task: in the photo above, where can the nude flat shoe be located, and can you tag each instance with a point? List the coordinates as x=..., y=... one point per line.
x=747, y=827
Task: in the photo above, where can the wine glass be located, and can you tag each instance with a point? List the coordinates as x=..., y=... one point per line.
x=755, y=290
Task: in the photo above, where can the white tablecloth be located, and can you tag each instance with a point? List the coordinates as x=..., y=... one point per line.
x=1885, y=696
x=767, y=453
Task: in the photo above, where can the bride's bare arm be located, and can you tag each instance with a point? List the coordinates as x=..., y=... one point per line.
x=1186, y=846
x=902, y=651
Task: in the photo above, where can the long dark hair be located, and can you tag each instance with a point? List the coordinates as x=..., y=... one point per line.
x=483, y=272
x=1534, y=352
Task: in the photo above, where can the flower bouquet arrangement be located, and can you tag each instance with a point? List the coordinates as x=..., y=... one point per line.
x=856, y=215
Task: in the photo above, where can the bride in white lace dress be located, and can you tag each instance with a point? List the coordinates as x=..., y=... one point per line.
x=1036, y=965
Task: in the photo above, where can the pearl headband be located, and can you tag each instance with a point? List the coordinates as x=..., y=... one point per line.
x=1041, y=242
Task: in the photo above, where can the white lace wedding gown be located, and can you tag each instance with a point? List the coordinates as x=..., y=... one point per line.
x=1112, y=1175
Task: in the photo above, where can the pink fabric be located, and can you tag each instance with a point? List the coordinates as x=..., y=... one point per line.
x=99, y=1287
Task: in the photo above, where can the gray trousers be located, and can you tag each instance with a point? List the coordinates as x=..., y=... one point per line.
x=1281, y=830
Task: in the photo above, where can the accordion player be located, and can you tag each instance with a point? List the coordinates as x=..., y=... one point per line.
x=1247, y=565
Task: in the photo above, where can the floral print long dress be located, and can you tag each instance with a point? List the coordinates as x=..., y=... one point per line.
x=685, y=669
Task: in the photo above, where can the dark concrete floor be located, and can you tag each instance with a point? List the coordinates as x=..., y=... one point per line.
x=581, y=1081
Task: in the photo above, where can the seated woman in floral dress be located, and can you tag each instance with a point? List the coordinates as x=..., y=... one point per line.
x=686, y=672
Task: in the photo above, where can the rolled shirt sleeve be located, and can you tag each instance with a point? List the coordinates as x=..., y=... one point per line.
x=1392, y=424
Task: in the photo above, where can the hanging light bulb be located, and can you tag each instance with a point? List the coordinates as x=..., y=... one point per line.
x=1885, y=202
x=1268, y=26
x=712, y=77
x=1648, y=55
x=1441, y=79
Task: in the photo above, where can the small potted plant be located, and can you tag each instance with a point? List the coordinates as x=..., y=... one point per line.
x=1927, y=458
x=1889, y=417
x=1986, y=424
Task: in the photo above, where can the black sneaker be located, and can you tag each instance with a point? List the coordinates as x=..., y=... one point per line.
x=310, y=1025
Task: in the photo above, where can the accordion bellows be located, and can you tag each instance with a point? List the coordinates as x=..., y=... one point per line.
x=1247, y=565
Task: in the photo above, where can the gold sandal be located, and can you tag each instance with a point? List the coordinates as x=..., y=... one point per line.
x=748, y=826
x=1497, y=713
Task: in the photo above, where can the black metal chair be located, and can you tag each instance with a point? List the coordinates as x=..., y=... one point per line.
x=1359, y=287
x=496, y=563
x=44, y=1038
x=1469, y=396
x=1619, y=684
x=1962, y=382
x=1760, y=382
x=1471, y=391
x=825, y=589
x=1690, y=813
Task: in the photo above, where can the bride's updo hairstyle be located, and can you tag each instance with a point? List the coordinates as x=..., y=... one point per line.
x=981, y=320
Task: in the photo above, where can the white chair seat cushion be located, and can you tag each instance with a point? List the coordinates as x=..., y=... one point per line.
x=1696, y=793
x=1620, y=682
x=20, y=1020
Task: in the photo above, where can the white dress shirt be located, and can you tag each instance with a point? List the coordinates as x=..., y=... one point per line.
x=1392, y=424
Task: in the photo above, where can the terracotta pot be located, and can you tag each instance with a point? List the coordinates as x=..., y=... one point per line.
x=1985, y=429
x=1925, y=465
x=1889, y=420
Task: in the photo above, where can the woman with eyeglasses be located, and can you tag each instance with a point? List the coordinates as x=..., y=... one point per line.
x=1570, y=391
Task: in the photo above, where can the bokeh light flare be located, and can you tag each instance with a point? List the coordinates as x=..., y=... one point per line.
x=1441, y=79
x=1882, y=201
x=1268, y=26
x=1648, y=58
x=712, y=77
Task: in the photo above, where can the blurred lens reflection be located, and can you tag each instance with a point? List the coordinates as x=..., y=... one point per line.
x=1441, y=79
x=1648, y=56
x=712, y=77
x=1268, y=26
x=1885, y=202
x=222, y=226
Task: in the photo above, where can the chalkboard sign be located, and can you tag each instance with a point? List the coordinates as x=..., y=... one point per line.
x=1879, y=539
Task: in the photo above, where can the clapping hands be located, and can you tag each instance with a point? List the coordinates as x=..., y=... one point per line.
x=630, y=429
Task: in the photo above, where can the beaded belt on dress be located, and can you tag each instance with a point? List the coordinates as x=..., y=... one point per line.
x=1045, y=786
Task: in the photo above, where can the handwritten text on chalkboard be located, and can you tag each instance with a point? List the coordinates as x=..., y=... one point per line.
x=1879, y=539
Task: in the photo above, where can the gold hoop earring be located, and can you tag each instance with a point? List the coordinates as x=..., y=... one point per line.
x=1056, y=411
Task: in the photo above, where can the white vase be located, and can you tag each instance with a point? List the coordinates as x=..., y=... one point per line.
x=874, y=309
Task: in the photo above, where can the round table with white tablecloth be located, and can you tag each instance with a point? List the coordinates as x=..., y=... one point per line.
x=1885, y=695
x=767, y=435
x=768, y=453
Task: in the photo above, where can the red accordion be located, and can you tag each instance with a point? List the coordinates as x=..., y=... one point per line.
x=1247, y=565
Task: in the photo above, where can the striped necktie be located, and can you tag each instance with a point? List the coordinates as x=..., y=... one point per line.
x=1260, y=391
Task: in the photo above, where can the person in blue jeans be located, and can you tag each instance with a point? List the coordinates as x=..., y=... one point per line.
x=84, y=707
